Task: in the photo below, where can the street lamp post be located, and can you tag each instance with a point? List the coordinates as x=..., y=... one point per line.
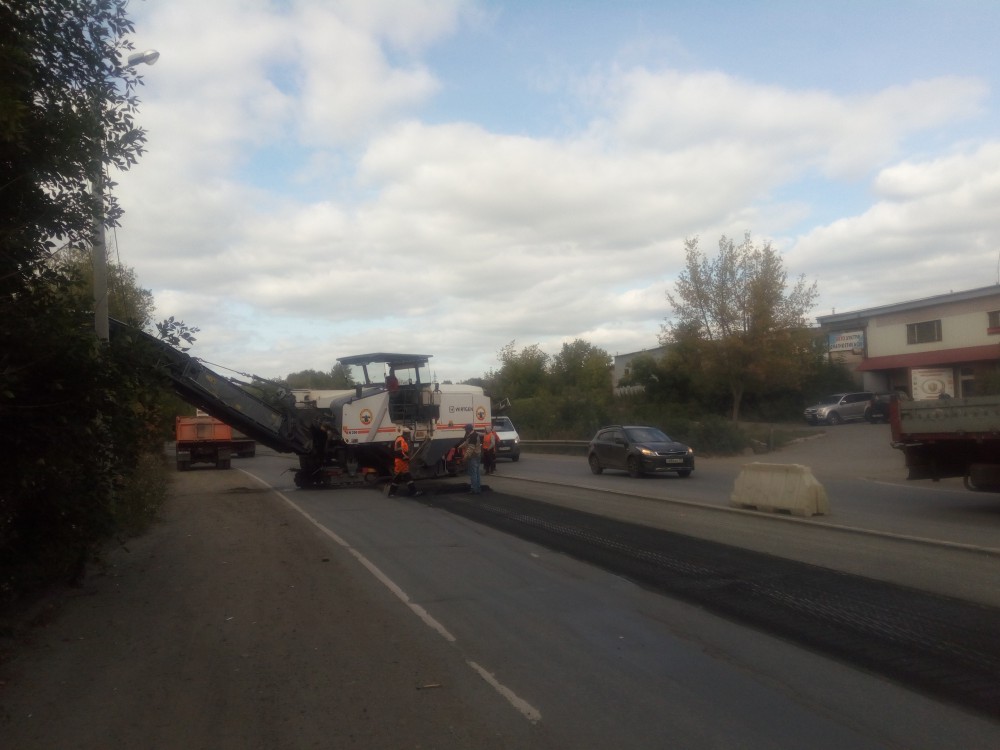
x=99, y=251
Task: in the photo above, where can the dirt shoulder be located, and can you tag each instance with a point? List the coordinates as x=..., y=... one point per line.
x=234, y=623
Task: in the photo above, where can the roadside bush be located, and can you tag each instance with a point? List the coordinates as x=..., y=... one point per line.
x=83, y=421
x=716, y=436
x=141, y=495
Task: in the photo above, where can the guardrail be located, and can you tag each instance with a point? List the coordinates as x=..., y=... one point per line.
x=574, y=447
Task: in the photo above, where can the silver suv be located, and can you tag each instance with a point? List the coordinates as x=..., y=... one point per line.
x=839, y=408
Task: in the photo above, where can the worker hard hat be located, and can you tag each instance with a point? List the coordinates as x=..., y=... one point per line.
x=468, y=428
x=406, y=429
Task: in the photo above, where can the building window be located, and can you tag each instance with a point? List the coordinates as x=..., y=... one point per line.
x=967, y=381
x=993, y=321
x=923, y=333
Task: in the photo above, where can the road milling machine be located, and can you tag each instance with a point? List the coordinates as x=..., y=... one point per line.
x=342, y=437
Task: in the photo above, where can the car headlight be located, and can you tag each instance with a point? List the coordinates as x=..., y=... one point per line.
x=647, y=452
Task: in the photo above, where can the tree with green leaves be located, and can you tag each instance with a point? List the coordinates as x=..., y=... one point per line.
x=127, y=300
x=67, y=108
x=337, y=379
x=739, y=313
x=80, y=415
x=581, y=365
x=522, y=373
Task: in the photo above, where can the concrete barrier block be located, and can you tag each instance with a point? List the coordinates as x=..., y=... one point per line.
x=780, y=487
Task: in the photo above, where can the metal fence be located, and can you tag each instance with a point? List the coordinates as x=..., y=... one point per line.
x=568, y=447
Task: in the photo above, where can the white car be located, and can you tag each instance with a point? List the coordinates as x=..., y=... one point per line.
x=510, y=442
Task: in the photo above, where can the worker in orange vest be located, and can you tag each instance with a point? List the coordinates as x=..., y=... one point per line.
x=490, y=442
x=401, y=465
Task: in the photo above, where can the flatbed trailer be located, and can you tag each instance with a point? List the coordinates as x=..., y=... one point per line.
x=950, y=437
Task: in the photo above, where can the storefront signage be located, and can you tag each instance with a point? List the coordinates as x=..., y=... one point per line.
x=847, y=341
x=931, y=383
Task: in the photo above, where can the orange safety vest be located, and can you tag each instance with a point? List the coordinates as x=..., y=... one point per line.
x=401, y=450
x=488, y=440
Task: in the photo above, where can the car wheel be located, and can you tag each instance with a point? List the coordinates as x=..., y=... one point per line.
x=595, y=465
x=516, y=458
x=684, y=473
x=634, y=469
x=834, y=418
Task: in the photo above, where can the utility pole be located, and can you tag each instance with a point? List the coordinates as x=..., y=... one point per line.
x=100, y=248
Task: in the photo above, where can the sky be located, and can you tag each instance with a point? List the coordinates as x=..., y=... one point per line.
x=326, y=178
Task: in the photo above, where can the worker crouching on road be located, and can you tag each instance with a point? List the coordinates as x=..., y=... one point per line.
x=472, y=448
x=401, y=465
x=490, y=442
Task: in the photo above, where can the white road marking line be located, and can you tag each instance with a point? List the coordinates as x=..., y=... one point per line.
x=521, y=706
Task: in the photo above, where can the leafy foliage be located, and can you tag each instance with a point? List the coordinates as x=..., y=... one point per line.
x=66, y=109
x=738, y=313
x=522, y=373
x=558, y=397
x=81, y=417
x=127, y=301
x=338, y=378
x=176, y=333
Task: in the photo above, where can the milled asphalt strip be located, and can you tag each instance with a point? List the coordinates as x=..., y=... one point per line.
x=991, y=551
x=521, y=706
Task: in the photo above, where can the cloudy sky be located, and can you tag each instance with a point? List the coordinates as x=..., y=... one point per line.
x=334, y=177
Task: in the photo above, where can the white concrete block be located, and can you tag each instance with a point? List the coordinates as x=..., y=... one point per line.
x=774, y=487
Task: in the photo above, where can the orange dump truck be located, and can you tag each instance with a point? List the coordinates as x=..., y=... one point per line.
x=206, y=440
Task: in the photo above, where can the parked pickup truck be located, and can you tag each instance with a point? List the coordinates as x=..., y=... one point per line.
x=950, y=437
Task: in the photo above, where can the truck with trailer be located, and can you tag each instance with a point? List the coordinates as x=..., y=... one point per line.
x=950, y=437
x=343, y=437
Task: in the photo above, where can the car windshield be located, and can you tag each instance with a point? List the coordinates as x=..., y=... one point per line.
x=834, y=399
x=646, y=435
x=502, y=423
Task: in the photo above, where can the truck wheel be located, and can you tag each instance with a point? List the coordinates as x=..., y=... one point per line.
x=183, y=465
x=224, y=464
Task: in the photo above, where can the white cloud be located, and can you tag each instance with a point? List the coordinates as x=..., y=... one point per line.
x=842, y=136
x=934, y=225
x=296, y=206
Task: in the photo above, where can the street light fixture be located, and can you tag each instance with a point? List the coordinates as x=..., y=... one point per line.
x=148, y=57
x=99, y=251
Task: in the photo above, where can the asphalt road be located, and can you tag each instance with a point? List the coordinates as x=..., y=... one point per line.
x=864, y=477
x=261, y=616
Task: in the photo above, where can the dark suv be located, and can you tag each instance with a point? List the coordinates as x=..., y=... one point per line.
x=638, y=450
